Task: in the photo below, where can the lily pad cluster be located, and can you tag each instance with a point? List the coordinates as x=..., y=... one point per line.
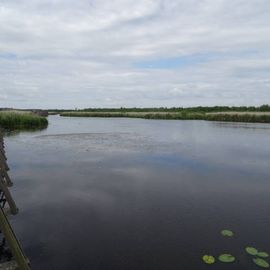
x=225, y=258
x=259, y=257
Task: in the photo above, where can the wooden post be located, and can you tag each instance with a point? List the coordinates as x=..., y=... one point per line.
x=13, y=243
x=3, y=162
x=7, y=178
x=13, y=208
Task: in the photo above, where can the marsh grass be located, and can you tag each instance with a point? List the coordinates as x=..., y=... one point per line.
x=16, y=120
x=146, y=115
x=247, y=118
x=184, y=115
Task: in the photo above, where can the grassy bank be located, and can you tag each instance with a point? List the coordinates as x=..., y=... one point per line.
x=146, y=115
x=184, y=115
x=18, y=120
x=239, y=117
x=223, y=117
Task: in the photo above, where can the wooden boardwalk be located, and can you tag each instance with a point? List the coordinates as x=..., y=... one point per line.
x=11, y=254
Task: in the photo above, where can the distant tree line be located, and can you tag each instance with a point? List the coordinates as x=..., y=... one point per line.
x=205, y=109
x=263, y=108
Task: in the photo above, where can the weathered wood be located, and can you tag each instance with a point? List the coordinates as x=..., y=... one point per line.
x=19, y=261
x=13, y=242
x=10, y=201
x=6, y=177
x=11, y=265
x=3, y=153
x=3, y=161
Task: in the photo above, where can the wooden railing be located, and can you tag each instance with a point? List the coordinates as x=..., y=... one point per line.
x=13, y=257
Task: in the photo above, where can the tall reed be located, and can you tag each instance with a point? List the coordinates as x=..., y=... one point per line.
x=184, y=115
x=16, y=120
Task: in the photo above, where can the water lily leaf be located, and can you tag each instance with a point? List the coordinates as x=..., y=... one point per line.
x=208, y=259
x=252, y=251
x=227, y=233
x=263, y=254
x=226, y=258
x=260, y=262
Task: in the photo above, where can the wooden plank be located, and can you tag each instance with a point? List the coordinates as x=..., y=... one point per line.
x=13, y=242
x=11, y=265
x=10, y=201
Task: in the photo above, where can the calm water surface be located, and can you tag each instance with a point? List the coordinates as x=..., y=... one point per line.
x=134, y=194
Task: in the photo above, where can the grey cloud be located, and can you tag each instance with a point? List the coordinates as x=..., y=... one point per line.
x=82, y=53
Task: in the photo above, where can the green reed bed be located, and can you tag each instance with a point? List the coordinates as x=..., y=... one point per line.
x=94, y=114
x=16, y=120
x=248, y=117
x=222, y=117
x=144, y=115
x=175, y=116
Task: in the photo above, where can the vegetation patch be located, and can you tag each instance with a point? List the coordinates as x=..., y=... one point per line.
x=18, y=120
x=252, y=251
x=258, y=257
x=227, y=233
x=263, y=254
x=226, y=258
x=228, y=114
x=198, y=109
x=208, y=259
x=261, y=262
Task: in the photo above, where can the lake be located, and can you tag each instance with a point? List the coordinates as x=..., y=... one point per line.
x=136, y=194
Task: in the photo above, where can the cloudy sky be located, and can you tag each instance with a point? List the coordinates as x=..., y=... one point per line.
x=111, y=53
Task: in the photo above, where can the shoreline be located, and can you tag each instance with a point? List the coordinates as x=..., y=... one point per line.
x=244, y=117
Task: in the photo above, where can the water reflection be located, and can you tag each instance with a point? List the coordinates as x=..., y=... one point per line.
x=242, y=125
x=139, y=194
x=8, y=133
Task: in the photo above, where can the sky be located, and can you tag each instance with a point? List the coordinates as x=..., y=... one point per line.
x=126, y=53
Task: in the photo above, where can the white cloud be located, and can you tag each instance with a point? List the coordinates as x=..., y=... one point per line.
x=68, y=54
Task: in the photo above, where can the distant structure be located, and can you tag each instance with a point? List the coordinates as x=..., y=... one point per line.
x=41, y=112
x=11, y=254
